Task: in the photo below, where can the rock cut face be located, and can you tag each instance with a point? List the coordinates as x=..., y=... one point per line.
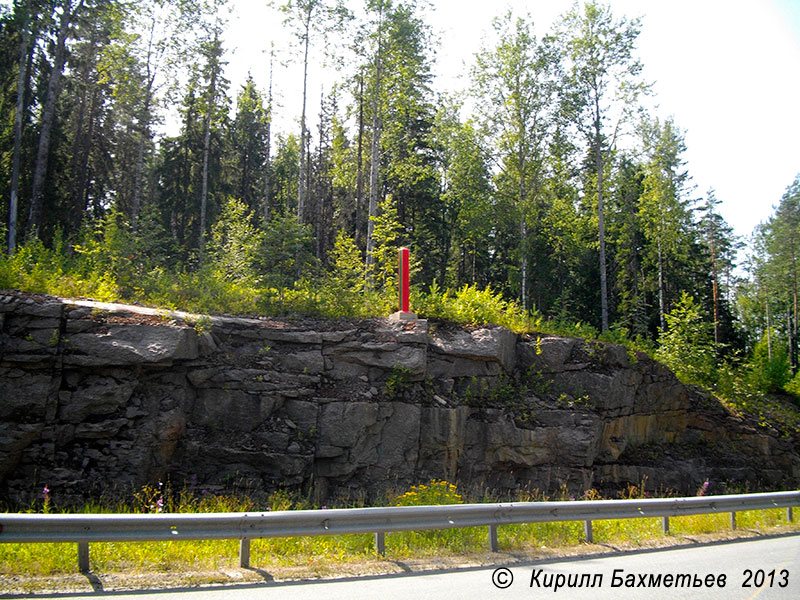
x=100, y=398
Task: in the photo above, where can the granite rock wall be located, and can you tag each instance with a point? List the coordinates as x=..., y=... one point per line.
x=100, y=398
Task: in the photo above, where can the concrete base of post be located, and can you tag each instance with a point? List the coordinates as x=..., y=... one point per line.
x=402, y=315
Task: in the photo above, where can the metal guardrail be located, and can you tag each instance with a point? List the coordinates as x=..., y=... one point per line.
x=86, y=528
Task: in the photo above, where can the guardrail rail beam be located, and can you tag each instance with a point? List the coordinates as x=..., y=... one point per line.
x=84, y=529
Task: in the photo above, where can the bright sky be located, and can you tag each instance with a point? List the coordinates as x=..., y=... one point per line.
x=725, y=70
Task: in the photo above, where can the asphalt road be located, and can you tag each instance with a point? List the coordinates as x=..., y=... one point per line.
x=767, y=569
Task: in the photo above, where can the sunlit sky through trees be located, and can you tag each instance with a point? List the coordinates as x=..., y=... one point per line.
x=726, y=70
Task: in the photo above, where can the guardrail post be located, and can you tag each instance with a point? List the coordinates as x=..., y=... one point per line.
x=244, y=553
x=587, y=531
x=665, y=524
x=83, y=557
x=733, y=520
x=789, y=514
x=380, y=543
x=493, y=545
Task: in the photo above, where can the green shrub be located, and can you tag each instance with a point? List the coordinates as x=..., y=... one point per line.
x=769, y=374
x=793, y=386
x=472, y=305
x=686, y=346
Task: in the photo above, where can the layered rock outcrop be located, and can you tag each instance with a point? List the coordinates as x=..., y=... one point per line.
x=99, y=397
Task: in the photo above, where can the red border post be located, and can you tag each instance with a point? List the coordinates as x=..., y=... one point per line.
x=403, y=279
x=403, y=288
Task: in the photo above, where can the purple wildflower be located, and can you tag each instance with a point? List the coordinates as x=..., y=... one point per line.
x=46, y=497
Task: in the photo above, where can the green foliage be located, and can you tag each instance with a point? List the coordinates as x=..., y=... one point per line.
x=435, y=492
x=769, y=374
x=686, y=346
x=235, y=244
x=342, y=288
x=473, y=305
x=793, y=387
x=90, y=271
x=484, y=204
x=398, y=381
x=386, y=233
x=618, y=334
x=577, y=329
x=285, y=253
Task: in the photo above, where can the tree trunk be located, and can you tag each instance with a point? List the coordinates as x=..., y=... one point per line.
x=144, y=134
x=769, y=332
x=375, y=150
x=523, y=230
x=48, y=115
x=715, y=294
x=359, y=165
x=20, y=109
x=661, y=301
x=81, y=177
x=84, y=131
x=212, y=98
x=144, y=130
x=789, y=329
x=793, y=336
x=204, y=184
x=523, y=225
x=267, y=165
x=320, y=186
x=601, y=231
x=302, y=183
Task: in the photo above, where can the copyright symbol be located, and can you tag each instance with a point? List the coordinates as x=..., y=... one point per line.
x=502, y=578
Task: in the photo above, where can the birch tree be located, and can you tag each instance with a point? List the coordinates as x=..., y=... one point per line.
x=663, y=206
x=600, y=90
x=515, y=88
x=308, y=17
